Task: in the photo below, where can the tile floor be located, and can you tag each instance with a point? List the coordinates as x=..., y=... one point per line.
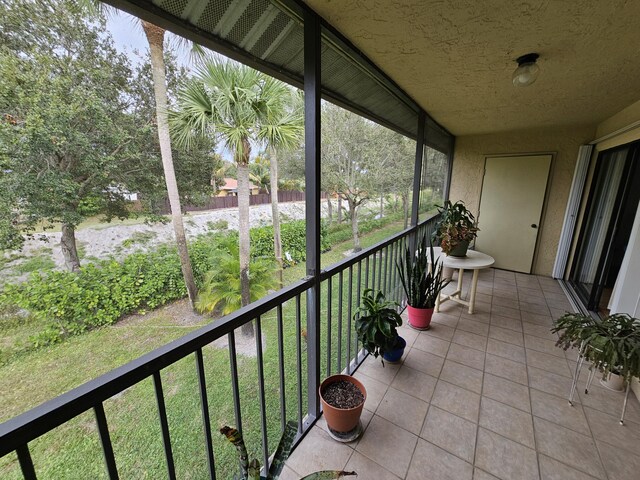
x=483, y=396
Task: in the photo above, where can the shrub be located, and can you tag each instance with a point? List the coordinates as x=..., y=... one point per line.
x=99, y=294
x=102, y=292
x=341, y=232
x=221, y=288
x=293, y=241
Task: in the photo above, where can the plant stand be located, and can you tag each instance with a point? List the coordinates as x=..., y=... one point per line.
x=574, y=384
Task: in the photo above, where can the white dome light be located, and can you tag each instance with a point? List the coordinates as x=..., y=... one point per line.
x=527, y=70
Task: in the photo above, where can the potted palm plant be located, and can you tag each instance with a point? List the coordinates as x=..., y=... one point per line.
x=612, y=344
x=376, y=322
x=456, y=228
x=421, y=277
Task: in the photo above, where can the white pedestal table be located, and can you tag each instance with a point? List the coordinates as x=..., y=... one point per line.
x=475, y=261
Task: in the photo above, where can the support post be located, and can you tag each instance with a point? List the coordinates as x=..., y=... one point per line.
x=417, y=169
x=312, y=202
x=452, y=147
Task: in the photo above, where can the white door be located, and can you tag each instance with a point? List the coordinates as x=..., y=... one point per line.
x=511, y=204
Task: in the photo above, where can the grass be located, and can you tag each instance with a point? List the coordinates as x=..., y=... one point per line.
x=38, y=263
x=73, y=451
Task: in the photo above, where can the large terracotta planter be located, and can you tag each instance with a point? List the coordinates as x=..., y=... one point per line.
x=342, y=420
x=419, y=318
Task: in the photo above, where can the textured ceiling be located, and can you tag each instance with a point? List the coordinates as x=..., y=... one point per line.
x=456, y=58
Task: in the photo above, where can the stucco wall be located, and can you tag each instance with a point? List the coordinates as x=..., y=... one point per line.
x=468, y=165
x=621, y=119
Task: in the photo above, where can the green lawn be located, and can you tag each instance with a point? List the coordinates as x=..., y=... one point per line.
x=72, y=451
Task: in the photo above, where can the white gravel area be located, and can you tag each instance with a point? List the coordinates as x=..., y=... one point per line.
x=105, y=240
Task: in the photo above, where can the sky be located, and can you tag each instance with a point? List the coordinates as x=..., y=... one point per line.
x=129, y=37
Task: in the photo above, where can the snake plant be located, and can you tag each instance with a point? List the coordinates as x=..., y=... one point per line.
x=250, y=470
x=421, y=284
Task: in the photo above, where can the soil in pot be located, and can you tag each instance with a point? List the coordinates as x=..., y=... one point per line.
x=342, y=394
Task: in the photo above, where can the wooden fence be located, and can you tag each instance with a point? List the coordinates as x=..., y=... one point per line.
x=215, y=203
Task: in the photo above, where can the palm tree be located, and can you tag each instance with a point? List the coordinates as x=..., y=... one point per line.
x=231, y=101
x=221, y=285
x=155, y=37
x=259, y=172
x=282, y=129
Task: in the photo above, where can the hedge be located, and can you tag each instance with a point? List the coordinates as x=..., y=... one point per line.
x=102, y=292
x=294, y=241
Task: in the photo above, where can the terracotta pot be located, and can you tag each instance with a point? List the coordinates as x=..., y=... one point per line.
x=419, y=318
x=342, y=419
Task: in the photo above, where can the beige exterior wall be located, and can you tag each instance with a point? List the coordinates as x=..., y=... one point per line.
x=563, y=143
x=620, y=120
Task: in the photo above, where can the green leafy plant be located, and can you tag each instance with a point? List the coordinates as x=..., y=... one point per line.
x=613, y=342
x=421, y=284
x=294, y=241
x=250, y=470
x=221, y=287
x=456, y=225
x=376, y=321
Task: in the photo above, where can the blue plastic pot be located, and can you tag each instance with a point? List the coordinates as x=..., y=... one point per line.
x=395, y=355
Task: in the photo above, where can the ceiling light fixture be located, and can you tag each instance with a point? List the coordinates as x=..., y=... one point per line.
x=527, y=70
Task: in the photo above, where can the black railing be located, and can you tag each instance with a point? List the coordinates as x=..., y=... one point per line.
x=341, y=287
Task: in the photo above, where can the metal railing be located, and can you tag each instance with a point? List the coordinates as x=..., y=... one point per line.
x=341, y=287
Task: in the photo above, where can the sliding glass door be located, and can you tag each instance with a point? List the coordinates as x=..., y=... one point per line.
x=605, y=228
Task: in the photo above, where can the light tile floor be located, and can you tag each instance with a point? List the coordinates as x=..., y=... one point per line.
x=483, y=396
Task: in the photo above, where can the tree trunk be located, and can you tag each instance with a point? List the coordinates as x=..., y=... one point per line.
x=353, y=211
x=381, y=205
x=155, y=36
x=243, y=233
x=339, y=209
x=329, y=209
x=275, y=214
x=69, y=249
x=405, y=208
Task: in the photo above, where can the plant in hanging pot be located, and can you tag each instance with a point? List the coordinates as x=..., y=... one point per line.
x=342, y=398
x=376, y=322
x=421, y=277
x=612, y=344
x=456, y=228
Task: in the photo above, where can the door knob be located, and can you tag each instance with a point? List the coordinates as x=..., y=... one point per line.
x=533, y=225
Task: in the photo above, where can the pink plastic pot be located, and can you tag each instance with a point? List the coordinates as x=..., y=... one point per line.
x=419, y=318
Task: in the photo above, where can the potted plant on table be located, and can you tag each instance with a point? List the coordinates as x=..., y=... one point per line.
x=376, y=326
x=456, y=228
x=612, y=344
x=421, y=277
